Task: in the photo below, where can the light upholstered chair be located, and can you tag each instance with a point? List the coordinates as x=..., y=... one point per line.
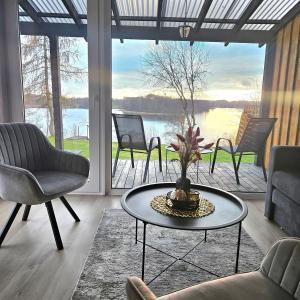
x=278, y=278
x=33, y=172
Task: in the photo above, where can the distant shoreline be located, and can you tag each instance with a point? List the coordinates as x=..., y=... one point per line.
x=148, y=105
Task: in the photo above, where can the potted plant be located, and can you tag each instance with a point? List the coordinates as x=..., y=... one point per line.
x=188, y=150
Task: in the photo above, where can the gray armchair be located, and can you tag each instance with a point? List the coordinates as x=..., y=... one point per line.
x=278, y=278
x=283, y=190
x=33, y=172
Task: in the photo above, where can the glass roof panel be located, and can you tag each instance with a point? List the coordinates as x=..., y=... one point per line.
x=219, y=8
x=51, y=6
x=273, y=9
x=176, y=8
x=139, y=23
x=177, y=24
x=145, y=8
x=59, y=20
x=25, y=19
x=215, y=26
x=236, y=9
x=257, y=26
x=81, y=6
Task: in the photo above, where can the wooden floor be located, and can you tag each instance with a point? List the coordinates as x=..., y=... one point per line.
x=32, y=269
x=251, y=176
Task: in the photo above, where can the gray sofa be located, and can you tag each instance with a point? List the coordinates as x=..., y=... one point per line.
x=283, y=191
x=278, y=278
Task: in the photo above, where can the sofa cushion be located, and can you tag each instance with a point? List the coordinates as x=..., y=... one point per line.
x=54, y=183
x=288, y=183
x=248, y=286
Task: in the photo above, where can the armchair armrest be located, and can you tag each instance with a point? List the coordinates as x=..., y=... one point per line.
x=69, y=162
x=136, y=289
x=19, y=185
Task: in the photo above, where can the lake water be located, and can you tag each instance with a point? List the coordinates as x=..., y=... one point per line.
x=214, y=123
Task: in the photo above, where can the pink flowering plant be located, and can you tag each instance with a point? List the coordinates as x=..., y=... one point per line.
x=188, y=148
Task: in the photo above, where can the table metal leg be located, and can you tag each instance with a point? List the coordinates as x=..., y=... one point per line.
x=144, y=251
x=238, y=249
x=136, y=230
x=209, y=163
x=205, y=235
x=197, y=170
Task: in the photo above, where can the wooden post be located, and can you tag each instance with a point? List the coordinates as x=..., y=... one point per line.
x=56, y=90
x=267, y=86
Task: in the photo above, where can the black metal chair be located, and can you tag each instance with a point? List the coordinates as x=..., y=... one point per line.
x=253, y=141
x=131, y=138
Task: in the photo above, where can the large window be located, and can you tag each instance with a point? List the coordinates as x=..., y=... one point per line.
x=38, y=93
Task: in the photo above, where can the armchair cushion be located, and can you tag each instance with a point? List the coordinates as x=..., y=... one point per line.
x=288, y=183
x=54, y=184
x=248, y=286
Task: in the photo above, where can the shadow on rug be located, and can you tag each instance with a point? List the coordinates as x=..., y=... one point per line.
x=114, y=256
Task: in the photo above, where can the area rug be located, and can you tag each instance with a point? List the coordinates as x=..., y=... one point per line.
x=114, y=256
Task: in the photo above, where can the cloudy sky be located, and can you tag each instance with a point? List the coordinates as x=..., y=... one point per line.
x=235, y=71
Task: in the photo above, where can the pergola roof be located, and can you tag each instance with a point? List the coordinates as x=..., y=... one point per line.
x=250, y=21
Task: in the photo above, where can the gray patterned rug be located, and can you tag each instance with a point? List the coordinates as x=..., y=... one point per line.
x=114, y=256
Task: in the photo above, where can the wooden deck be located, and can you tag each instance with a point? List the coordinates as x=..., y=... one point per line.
x=251, y=176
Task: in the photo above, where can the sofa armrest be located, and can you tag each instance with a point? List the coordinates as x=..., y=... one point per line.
x=136, y=289
x=282, y=158
x=69, y=162
x=19, y=185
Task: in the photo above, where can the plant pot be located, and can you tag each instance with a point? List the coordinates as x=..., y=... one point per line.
x=183, y=183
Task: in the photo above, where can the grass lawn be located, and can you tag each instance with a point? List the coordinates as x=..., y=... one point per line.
x=83, y=146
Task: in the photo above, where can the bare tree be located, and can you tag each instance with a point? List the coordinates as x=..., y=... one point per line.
x=36, y=67
x=180, y=68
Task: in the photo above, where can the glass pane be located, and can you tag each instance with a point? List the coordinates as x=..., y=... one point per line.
x=37, y=83
x=225, y=97
x=74, y=99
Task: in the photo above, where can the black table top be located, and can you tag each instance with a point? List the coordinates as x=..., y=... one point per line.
x=229, y=209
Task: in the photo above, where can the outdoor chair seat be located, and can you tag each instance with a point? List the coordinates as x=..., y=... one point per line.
x=287, y=182
x=54, y=184
x=227, y=149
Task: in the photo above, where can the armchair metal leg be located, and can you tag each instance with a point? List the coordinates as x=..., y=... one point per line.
x=69, y=208
x=235, y=169
x=26, y=213
x=116, y=162
x=9, y=222
x=54, y=226
x=147, y=166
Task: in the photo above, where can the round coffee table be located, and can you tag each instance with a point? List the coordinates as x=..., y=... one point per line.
x=229, y=210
